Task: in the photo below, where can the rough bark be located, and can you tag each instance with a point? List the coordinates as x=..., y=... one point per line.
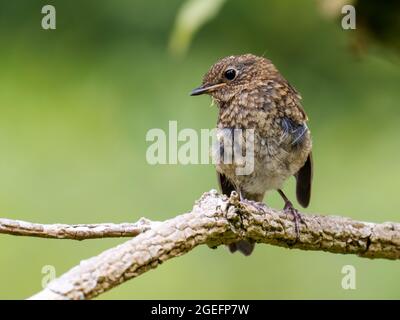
x=216, y=220
x=75, y=231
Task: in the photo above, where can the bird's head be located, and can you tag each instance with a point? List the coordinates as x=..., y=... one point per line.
x=230, y=75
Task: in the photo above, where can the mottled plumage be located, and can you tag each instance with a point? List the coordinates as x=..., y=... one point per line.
x=252, y=94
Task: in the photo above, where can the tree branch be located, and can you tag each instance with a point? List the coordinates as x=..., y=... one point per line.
x=216, y=220
x=74, y=232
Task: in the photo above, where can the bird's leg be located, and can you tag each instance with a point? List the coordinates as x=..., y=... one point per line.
x=258, y=205
x=242, y=198
x=294, y=212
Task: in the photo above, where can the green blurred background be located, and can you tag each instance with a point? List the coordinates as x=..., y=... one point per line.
x=76, y=103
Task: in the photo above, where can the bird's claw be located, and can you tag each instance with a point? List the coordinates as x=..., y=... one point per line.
x=289, y=208
x=258, y=205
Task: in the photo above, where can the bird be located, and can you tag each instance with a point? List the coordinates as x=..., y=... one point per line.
x=251, y=94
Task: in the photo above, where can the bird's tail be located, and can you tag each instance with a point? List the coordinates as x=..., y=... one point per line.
x=244, y=246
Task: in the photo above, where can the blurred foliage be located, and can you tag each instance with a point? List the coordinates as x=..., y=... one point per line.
x=192, y=15
x=76, y=104
x=378, y=24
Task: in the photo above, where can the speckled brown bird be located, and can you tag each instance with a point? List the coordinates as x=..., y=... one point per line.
x=251, y=94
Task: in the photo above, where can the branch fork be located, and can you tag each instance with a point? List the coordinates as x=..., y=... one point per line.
x=214, y=220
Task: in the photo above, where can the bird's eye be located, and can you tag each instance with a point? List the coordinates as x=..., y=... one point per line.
x=230, y=74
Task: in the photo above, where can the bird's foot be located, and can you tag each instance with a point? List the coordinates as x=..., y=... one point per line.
x=258, y=205
x=289, y=208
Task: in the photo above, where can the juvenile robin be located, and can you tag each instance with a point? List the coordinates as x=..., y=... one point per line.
x=251, y=94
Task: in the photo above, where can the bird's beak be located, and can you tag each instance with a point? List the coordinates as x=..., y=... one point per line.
x=206, y=88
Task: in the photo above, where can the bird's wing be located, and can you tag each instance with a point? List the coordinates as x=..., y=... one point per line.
x=296, y=131
x=303, y=182
x=225, y=185
x=296, y=94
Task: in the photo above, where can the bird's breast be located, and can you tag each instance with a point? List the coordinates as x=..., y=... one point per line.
x=273, y=158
